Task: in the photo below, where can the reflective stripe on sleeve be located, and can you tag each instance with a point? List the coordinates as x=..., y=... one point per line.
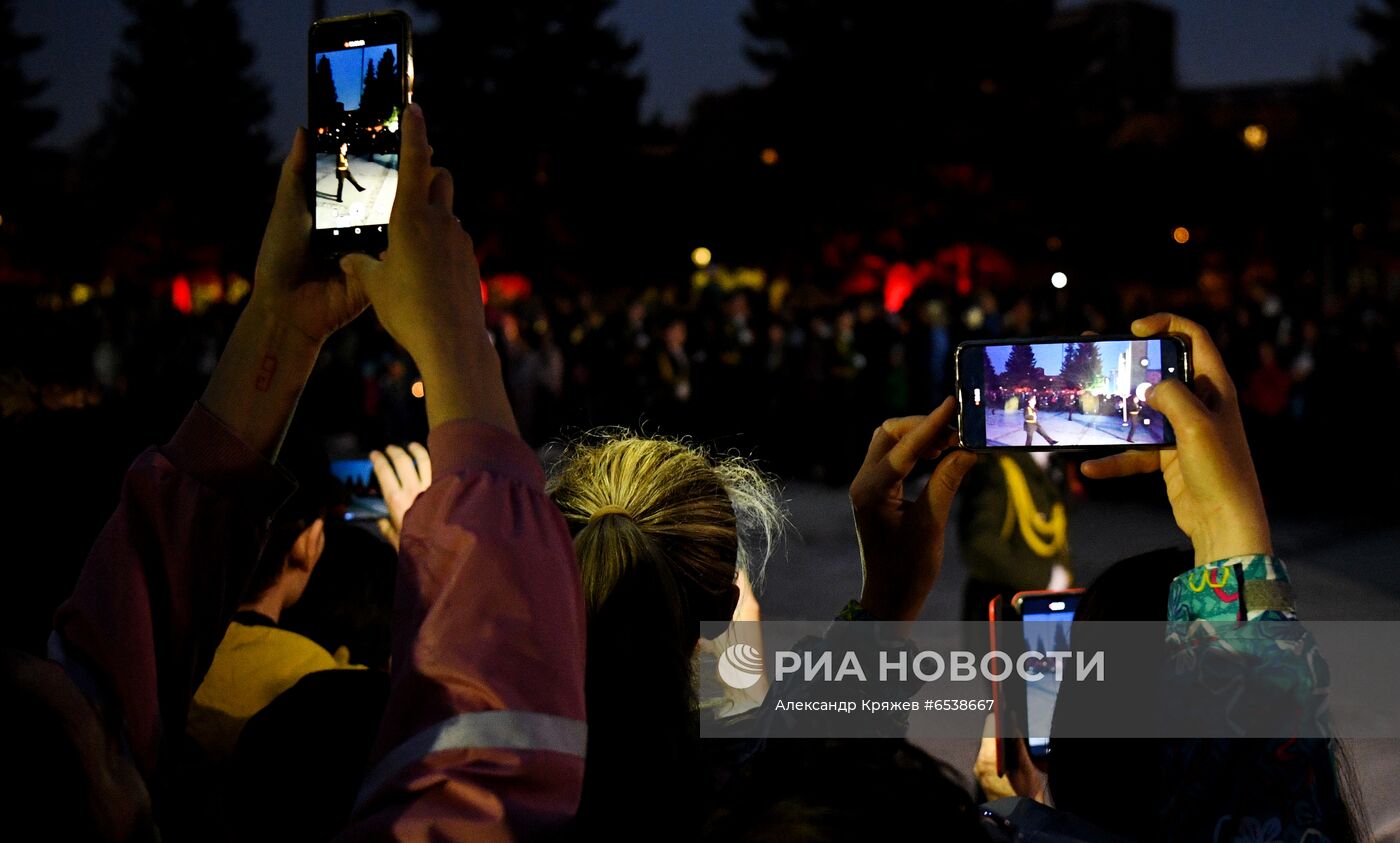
x=484, y=730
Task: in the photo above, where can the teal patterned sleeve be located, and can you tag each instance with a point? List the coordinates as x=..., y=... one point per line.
x=1238, y=652
x=1236, y=644
x=1242, y=588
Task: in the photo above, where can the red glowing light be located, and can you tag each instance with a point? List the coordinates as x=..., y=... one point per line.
x=509, y=287
x=180, y=296
x=899, y=285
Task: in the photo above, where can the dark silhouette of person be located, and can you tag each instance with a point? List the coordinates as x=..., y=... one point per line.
x=1134, y=410
x=342, y=172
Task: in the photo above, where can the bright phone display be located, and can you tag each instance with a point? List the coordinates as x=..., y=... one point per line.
x=1068, y=393
x=360, y=80
x=1046, y=617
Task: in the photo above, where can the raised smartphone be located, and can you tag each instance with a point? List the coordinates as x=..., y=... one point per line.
x=360, y=74
x=1066, y=393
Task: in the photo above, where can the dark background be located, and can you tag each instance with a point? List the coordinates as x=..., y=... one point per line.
x=874, y=183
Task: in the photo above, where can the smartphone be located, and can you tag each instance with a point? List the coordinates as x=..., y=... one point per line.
x=1066, y=393
x=1046, y=617
x=1038, y=621
x=360, y=75
x=364, y=501
x=1003, y=721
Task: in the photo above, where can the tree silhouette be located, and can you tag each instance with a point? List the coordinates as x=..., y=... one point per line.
x=535, y=108
x=387, y=90
x=1020, y=367
x=28, y=203
x=381, y=92
x=1069, y=372
x=1382, y=26
x=180, y=154
x=1366, y=147
x=25, y=120
x=325, y=101
x=904, y=117
x=1087, y=364
x=369, y=94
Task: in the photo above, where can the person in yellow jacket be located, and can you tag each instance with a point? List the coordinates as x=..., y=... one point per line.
x=1013, y=532
x=342, y=172
x=1031, y=416
x=258, y=660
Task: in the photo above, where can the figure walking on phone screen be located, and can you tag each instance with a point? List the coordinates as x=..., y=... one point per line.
x=342, y=172
x=1134, y=411
x=1029, y=414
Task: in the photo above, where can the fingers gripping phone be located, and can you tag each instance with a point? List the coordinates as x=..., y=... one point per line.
x=1066, y=393
x=360, y=75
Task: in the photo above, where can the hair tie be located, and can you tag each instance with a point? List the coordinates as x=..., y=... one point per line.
x=609, y=510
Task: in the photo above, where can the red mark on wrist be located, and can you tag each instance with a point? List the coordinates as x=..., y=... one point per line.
x=266, y=372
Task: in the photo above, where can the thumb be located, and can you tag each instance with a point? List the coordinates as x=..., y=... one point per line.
x=943, y=485
x=360, y=269
x=1179, y=404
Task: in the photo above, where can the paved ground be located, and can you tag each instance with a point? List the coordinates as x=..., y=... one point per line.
x=1005, y=428
x=1343, y=569
x=379, y=182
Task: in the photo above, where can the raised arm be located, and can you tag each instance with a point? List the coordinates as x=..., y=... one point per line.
x=1210, y=478
x=1243, y=663
x=901, y=541
x=484, y=734
x=158, y=588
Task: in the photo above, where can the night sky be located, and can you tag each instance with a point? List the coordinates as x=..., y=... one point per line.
x=688, y=47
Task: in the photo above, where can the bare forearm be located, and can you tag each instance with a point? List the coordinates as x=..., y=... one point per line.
x=255, y=388
x=462, y=380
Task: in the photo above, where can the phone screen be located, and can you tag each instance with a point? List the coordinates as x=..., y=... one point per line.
x=357, y=97
x=1045, y=625
x=366, y=502
x=1066, y=393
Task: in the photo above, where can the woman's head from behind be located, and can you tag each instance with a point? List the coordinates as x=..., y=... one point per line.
x=660, y=530
x=654, y=512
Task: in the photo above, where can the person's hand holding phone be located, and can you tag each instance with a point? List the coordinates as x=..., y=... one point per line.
x=1022, y=777
x=901, y=541
x=291, y=312
x=314, y=301
x=1209, y=475
x=426, y=291
x=403, y=475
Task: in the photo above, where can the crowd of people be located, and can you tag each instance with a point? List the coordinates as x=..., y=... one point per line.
x=730, y=365
x=178, y=698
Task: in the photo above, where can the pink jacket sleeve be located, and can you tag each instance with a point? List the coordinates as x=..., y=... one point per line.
x=165, y=575
x=484, y=733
